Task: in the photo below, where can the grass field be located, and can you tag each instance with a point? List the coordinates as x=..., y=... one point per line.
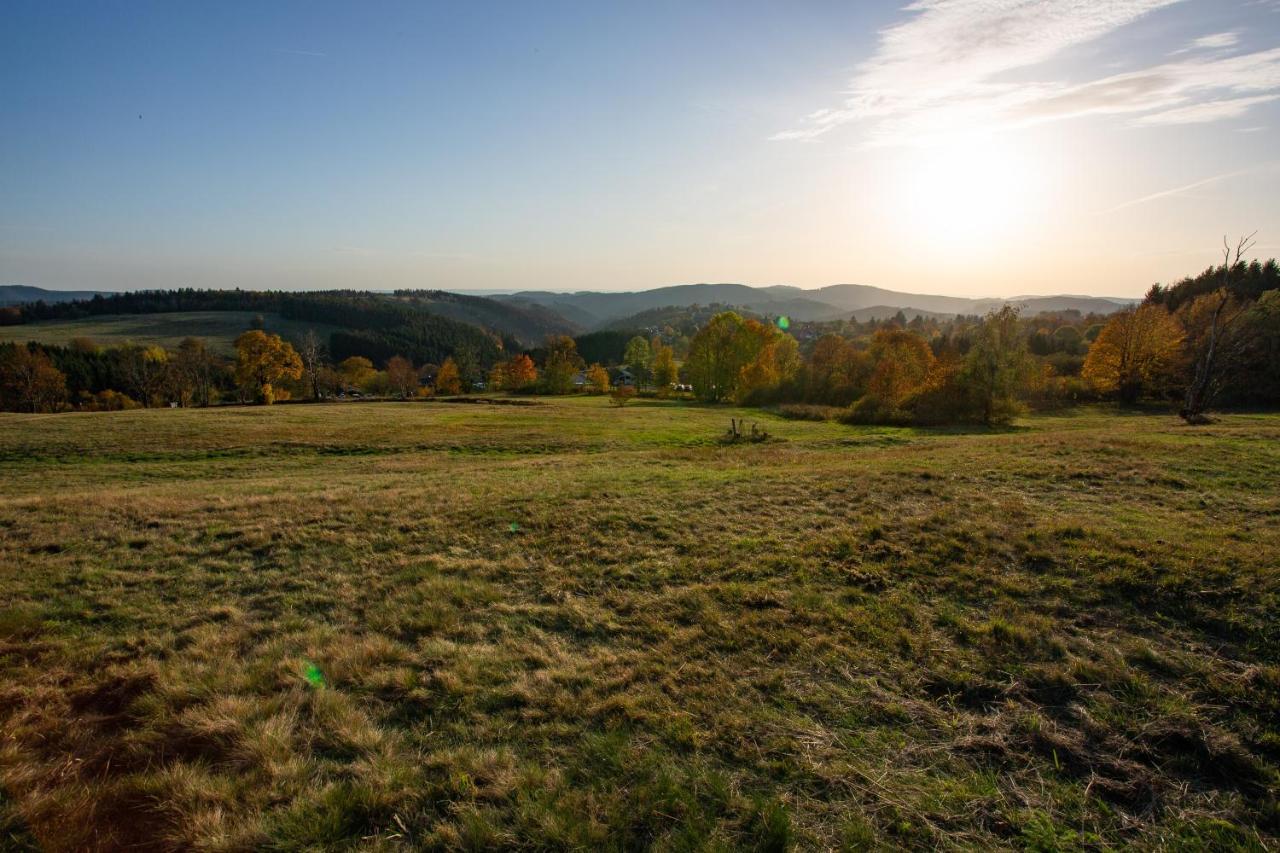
x=219, y=329
x=569, y=626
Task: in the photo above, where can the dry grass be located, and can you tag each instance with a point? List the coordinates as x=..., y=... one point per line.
x=573, y=626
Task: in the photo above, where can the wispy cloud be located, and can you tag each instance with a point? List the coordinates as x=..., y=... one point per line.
x=1217, y=40
x=294, y=52
x=946, y=69
x=1206, y=111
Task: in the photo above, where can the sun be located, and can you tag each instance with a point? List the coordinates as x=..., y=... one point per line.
x=962, y=195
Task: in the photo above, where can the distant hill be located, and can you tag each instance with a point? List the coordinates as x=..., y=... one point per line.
x=594, y=309
x=20, y=294
x=528, y=323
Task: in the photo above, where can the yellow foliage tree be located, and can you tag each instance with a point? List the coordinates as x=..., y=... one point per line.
x=448, y=380
x=263, y=360
x=356, y=371
x=664, y=367
x=598, y=379
x=1137, y=348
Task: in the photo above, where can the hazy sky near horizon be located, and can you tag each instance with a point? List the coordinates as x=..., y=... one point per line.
x=966, y=147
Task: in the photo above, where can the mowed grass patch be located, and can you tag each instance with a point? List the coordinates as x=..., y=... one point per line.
x=574, y=626
x=218, y=328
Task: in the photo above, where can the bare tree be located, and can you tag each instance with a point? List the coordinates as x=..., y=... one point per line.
x=312, y=357
x=1211, y=349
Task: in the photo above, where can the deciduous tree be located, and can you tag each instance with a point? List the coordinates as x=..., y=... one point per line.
x=262, y=361
x=312, y=355
x=448, y=381
x=639, y=358
x=562, y=363
x=356, y=371
x=521, y=373
x=402, y=377
x=28, y=380
x=997, y=366
x=664, y=367
x=597, y=379
x=902, y=361
x=1138, y=347
x=192, y=370
x=1214, y=342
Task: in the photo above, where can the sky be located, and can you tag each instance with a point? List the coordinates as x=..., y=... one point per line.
x=963, y=147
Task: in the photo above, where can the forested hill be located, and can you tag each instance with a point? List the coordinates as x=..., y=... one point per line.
x=1246, y=280
x=374, y=326
x=528, y=325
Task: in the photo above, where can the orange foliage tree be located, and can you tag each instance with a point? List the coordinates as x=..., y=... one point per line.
x=1137, y=348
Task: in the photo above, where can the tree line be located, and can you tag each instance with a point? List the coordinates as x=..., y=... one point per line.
x=1209, y=340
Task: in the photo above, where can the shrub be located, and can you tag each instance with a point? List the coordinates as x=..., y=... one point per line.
x=809, y=412
x=871, y=409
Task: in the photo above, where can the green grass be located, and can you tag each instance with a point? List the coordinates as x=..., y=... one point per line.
x=571, y=626
x=218, y=328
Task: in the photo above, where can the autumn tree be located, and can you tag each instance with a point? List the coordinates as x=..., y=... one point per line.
x=997, y=366
x=1214, y=340
x=356, y=371
x=28, y=380
x=638, y=356
x=561, y=364
x=262, y=361
x=192, y=372
x=716, y=357
x=835, y=373
x=498, y=379
x=1135, y=349
x=902, y=363
x=776, y=361
x=144, y=370
x=402, y=377
x=665, y=373
x=448, y=380
x=521, y=373
x=597, y=379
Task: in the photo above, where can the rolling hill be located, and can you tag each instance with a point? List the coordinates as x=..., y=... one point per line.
x=596, y=309
x=19, y=294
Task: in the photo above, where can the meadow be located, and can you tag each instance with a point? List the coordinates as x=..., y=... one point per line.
x=573, y=626
x=219, y=329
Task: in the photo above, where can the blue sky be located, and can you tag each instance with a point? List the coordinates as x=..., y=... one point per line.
x=991, y=147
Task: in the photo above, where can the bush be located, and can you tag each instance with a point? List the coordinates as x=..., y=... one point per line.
x=108, y=401
x=949, y=402
x=622, y=395
x=808, y=412
x=873, y=410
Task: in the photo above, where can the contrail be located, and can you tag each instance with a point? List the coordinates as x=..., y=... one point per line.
x=1178, y=190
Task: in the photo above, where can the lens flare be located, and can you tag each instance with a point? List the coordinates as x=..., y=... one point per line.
x=784, y=322
x=313, y=675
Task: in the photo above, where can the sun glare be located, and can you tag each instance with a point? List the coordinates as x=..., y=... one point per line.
x=962, y=195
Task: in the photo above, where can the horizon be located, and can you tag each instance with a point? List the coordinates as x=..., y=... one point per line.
x=1054, y=148
x=515, y=291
